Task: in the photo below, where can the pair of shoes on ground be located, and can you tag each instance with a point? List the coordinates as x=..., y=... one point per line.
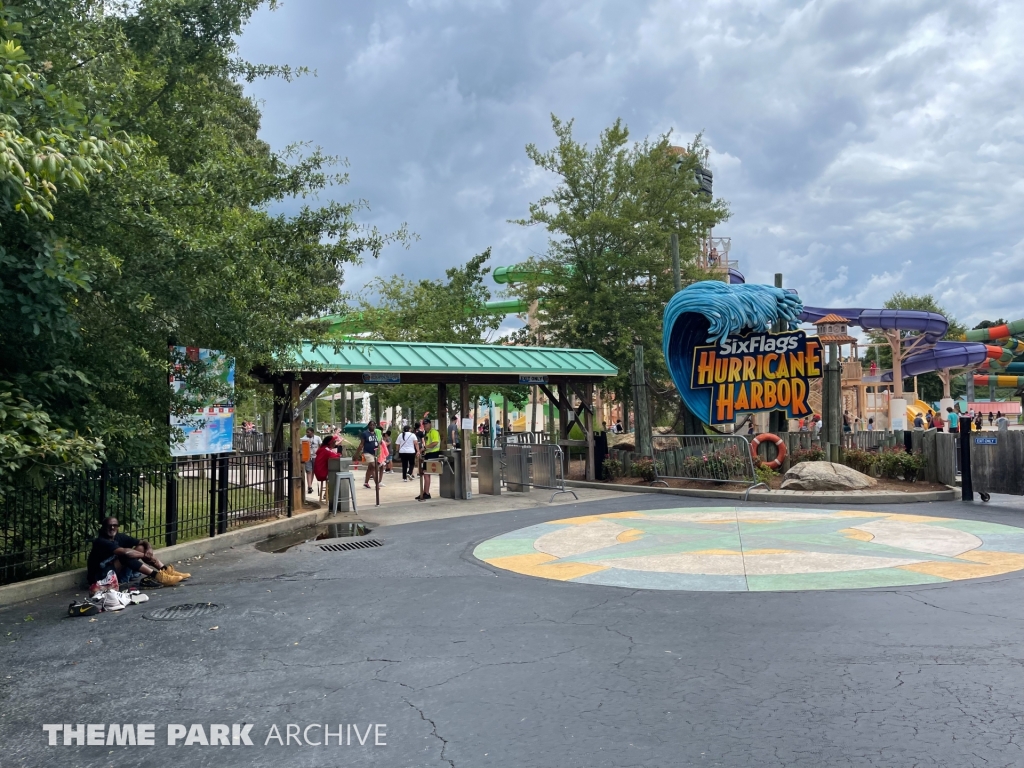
x=309, y=489
x=424, y=497
x=108, y=600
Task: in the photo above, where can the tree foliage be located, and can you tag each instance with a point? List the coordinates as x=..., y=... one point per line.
x=448, y=311
x=139, y=207
x=607, y=271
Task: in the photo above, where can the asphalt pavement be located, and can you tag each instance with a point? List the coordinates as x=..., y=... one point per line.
x=451, y=662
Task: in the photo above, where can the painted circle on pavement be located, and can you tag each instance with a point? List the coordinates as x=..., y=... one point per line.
x=733, y=549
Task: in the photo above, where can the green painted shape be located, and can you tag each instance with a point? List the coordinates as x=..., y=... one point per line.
x=365, y=356
x=492, y=548
x=976, y=527
x=876, y=577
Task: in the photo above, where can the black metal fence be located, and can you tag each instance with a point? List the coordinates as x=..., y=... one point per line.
x=50, y=529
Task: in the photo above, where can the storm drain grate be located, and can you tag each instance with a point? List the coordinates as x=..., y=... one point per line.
x=346, y=546
x=186, y=611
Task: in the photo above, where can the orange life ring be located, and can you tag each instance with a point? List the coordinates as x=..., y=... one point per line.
x=780, y=447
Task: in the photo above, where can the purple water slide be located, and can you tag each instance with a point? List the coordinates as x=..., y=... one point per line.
x=930, y=326
x=932, y=354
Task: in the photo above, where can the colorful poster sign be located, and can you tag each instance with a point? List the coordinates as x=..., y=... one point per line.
x=757, y=372
x=210, y=428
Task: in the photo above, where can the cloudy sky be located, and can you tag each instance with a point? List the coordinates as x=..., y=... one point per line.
x=864, y=147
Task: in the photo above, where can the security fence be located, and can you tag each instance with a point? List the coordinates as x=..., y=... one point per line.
x=49, y=528
x=703, y=458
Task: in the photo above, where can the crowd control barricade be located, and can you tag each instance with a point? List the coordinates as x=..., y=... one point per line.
x=517, y=467
x=546, y=461
x=704, y=458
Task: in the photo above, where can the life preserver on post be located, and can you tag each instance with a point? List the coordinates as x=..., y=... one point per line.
x=780, y=446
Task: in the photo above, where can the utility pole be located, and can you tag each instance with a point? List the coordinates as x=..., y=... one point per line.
x=641, y=404
x=677, y=279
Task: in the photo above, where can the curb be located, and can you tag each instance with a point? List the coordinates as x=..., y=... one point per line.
x=779, y=496
x=74, y=580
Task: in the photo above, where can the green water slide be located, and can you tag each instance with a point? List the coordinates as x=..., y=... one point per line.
x=353, y=322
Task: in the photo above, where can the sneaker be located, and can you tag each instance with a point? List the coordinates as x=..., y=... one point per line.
x=150, y=583
x=366, y=485
x=310, y=489
x=112, y=601
x=175, y=572
x=83, y=609
x=428, y=496
x=137, y=597
x=167, y=579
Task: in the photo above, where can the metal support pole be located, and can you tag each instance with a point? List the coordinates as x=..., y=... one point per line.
x=171, y=505
x=966, y=483
x=222, y=493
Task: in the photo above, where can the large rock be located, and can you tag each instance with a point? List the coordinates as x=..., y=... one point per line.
x=825, y=476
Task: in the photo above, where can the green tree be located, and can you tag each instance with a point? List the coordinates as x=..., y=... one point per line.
x=170, y=234
x=448, y=311
x=607, y=269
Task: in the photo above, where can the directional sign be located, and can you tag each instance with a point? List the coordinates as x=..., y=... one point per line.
x=986, y=440
x=533, y=379
x=382, y=378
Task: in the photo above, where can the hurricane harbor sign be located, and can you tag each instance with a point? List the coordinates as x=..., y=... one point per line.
x=757, y=372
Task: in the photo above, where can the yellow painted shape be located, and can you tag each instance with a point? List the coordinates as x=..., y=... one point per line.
x=518, y=562
x=586, y=519
x=918, y=518
x=631, y=535
x=769, y=551
x=541, y=565
x=855, y=513
x=715, y=552
x=854, y=533
x=976, y=564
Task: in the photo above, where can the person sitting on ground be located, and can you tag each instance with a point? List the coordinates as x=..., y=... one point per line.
x=126, y=556
x=368, y=447
x=431, y=450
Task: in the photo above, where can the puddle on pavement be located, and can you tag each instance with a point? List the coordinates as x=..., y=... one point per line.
x=285, y=541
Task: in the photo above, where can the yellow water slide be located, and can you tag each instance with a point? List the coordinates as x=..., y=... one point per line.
x=917, y=407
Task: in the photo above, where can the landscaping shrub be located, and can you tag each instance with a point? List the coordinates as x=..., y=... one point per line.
x=644, y=468
x=806, y=454
x=612, y=468
x=895, y=463
x=862, y=461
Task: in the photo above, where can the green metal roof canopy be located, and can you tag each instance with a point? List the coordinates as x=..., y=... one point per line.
x=347, y=362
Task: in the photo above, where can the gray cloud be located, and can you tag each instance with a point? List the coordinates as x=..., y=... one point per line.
x=864, y=147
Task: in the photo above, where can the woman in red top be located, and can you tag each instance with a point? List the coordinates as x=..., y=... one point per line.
x=325, y=452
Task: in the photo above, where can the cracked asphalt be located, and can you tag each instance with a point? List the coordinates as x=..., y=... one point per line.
x=467, y=665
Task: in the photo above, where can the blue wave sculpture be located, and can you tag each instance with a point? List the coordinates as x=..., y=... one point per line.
x=708, y=312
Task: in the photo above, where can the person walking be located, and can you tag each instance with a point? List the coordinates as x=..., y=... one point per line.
x=369, y=448
x=408, y=446
x=310, y=445
x=431, y=450
x=990, y=418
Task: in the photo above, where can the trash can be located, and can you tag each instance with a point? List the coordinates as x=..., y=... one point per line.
x=336, y=467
